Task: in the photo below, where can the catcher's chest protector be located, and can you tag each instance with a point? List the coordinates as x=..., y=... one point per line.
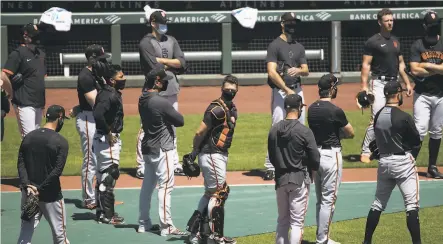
x=222, y=133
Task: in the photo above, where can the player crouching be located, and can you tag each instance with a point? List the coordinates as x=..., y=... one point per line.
x=211, y=144
x=108, y=116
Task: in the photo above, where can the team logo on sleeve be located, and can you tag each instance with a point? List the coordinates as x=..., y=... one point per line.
x=395, y=44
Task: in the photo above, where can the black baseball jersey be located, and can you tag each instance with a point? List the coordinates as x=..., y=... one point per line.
x=108, y=111
x=219, y=136
x=432, y=85
x=292, y=151
x=86, y=82
x=325, y=120
x=286, y=55
x=385, y=53
x=157, y=116
x=30, y=62
x=395, y=131
x=41, y=160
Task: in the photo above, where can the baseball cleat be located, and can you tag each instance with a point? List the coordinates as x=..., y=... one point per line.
x=229, y=240
x=116, y=220
x=179, y=171
x=143, y=228
x=172, y=231
x=433, y=173
x=269, y=175
x=139, y=175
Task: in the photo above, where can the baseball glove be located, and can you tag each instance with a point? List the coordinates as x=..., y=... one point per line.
x=30, y=207
x=364, y=99
x=190, y=168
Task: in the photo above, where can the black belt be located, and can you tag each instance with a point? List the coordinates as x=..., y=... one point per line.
x=294, y=86
x=325, y=147
x=386, y=78
x=397, y=153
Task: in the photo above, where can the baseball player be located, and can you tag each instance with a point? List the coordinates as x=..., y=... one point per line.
x=108, y=116
x=286, y=63
x=5, y=107
x=426, y=61
x=382, y=57
x=211, y=143
x=25, y=69
x=395, y=136
x=158, y=117
x=157, y=49
x=329, y=124
x=51, y=150
x=87, y=87
x=294, y=154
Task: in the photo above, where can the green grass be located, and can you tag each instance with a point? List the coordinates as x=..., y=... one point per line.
x=391, y=229
x=248, y=150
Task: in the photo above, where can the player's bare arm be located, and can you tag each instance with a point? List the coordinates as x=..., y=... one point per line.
x=348, y=131
x=90, y=97
x=175, y=63
x=433, y=68
x=418, y=70
x=365, y=69
x=302, y=71
x=199, y=136
x=403, y=75
x=276, y=78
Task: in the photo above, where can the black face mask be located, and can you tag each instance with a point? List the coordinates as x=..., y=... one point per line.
x=120, y=84
x=228, y=94
x=289, y=32
x=164, y=87
x=400, y=99
x=59, y=125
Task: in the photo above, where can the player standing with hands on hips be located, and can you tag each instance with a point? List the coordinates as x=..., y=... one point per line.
x=42, y=177
x=286, y=63
x=294, y=154
x=211, y=143
x=108, y=116
x=395, y=136
x=329, y=124
x=383, y=59
x=426, y=62
x=158, y=116
x=160, y=50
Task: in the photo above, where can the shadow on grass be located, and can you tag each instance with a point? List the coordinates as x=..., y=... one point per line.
x=77, y=202
x=83, y=216
x=11, y=182
x=255, y=173
x=130, y=171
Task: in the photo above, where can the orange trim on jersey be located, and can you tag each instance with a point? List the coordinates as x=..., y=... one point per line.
x=304, y=213
x=166, y=188
x=87, y=162
x=8, y=71
x=215, y=172
x=63, y=222
x=334, y=199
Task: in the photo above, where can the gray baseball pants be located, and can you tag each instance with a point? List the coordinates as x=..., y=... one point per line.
x=292, y=203
x=28, y=119
x=397, y=170
x=54, y=213
x=327, y=181
x=85, y=125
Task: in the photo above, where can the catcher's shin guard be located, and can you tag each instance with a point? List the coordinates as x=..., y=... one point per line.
x=218, y=220
x=106, y=190
x=194, y=222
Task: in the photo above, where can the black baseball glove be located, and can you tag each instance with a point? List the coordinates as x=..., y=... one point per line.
x=179, y=71
x=190, y=168
x=364, y=99
x=30, y=207
x=374, y=150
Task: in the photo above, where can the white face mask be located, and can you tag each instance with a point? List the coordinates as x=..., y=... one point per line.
x=162, y=29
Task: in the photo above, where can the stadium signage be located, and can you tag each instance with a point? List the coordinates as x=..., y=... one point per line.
x=404, y=15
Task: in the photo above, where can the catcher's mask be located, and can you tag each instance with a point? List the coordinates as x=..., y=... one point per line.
x=30, y=34
x=364, y=100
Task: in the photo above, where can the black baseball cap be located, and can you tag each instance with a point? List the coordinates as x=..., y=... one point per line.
x=392, y=88
x=431, y=19
x=158, y=17
x=327, y=81
x=96, y=51
x=293, y=101
x=289, y=16
x=158, y=73
x=54, y=112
